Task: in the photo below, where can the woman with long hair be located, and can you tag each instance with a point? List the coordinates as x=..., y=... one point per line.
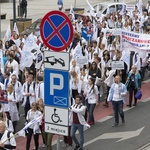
x=91, y=94
x=32, y=114
x=11, y=108
x=75, y=84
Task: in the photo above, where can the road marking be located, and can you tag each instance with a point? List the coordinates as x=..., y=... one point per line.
x=123, y=135
x=105, y=118
x=146, y=100
x=145, y=147
x=146, y=81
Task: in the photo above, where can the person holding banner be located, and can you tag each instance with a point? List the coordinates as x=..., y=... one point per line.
x=7, y=139
x=35, y=128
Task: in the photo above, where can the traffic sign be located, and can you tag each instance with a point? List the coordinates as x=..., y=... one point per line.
x=59, y=60
x=56, y=30
x=57, y=116
x=117, y=65
x=56, y=88
x=51, y=128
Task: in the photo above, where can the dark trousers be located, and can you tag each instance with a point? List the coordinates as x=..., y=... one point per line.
x=83, y=98
x=74, y=128
x=27, y=108
x=132, y=91
x=36, y=139
x=68, y=139
x=74, y=93
x=14, y=126
x=24, y=12
x=142, y=72
x=44, y=142
x=90, y=108
x=118, y=109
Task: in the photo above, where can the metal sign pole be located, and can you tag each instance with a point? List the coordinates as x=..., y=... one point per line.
x=58, y=142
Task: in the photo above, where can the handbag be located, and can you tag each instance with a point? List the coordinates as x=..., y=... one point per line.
x=138, y=94
x=98, y=81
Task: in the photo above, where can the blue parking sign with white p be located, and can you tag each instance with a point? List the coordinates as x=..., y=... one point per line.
x=56, y=88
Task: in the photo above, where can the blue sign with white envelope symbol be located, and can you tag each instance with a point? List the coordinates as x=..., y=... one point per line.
x=56, y=88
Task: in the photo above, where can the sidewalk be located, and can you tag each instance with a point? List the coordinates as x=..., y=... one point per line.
x=37, y=9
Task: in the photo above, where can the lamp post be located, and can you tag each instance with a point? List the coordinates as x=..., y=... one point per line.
x=14, y=11
x=75, y=4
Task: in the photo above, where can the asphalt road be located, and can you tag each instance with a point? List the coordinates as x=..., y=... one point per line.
x=107, y=137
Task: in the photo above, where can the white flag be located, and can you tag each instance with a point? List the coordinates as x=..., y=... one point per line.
x=92, y=10
x=7, y=36
x=122, y=8
x=29, y=43
x=77, y=52
x=140, y=3
x=16, y=28
x=39, y=59
x=1, y=62
x=26, y=59
x=95, y=30
x=33, y=122
x=72, y=13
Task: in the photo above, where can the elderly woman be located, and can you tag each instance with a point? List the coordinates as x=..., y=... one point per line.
x=133, y=84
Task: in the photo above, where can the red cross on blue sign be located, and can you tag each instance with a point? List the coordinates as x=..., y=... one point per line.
x=56, y=30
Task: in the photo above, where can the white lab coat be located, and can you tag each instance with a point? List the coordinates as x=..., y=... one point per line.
x=80, y=112
x=40, y=90
x=31, y=116
x=32, y=91
x=11, y=107
x=12, y=141
x=91, y=95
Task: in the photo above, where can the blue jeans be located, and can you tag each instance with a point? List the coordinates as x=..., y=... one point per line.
x=74, y=128
x=118, y=109
x=90, y=108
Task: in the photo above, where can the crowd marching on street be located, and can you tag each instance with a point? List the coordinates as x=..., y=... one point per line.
x=94, y=48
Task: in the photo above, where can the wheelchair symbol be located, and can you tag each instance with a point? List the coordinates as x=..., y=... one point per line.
x=55, y=118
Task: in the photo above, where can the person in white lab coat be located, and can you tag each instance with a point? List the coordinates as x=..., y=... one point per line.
x=28, y=92
x=5, y=143
x=11, y=107
x=91, y=93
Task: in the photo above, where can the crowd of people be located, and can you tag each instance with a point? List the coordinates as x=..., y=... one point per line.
x=92, y=78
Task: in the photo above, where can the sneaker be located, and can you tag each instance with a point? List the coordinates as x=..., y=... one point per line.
x=70, y=147
x=76, y=147
x=64, y=145
x=115, y=124
x=43, y=146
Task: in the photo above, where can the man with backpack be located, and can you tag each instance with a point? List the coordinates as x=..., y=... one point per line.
x=23, y=6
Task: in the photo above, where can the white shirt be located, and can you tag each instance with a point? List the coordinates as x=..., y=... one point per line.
x=117, y=94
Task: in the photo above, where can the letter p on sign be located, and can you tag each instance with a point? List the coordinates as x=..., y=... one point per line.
x=54, y=86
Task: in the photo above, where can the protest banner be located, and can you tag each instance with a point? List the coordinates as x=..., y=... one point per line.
x=117, y=65
x=135, y=41
x=3, y=96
